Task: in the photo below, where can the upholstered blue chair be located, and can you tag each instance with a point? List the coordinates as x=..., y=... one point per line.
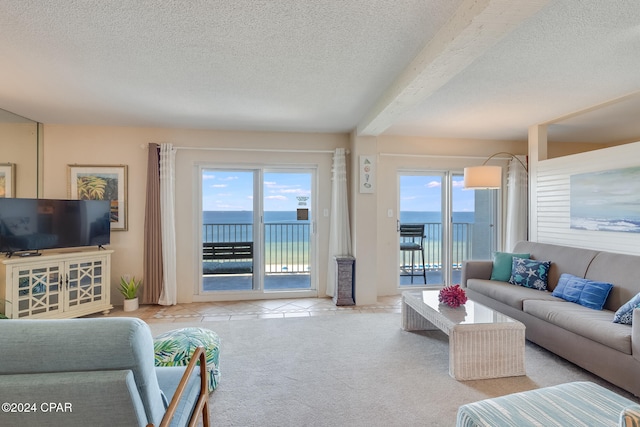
x=98, y=372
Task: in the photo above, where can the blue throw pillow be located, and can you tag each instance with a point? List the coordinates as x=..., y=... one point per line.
x=502, y=262
x=530, y=273
x=562, y=284
x=625, y=313
x=594, y=294
x=588, y=293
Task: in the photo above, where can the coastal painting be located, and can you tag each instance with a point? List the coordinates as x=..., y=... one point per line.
x=606, y=200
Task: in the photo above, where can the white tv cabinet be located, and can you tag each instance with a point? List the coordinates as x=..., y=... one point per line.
x=56, y=284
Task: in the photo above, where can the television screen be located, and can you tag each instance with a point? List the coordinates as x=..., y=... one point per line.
x=34, y=224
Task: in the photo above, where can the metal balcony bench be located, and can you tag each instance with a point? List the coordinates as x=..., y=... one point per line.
x=227, y=257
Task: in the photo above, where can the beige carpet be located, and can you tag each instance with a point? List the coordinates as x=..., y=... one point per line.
x=352, y=370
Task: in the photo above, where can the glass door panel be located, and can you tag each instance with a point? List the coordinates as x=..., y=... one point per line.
x=421, y=204
x=459, y=224
x=288, y=222
x=228, y=249
x=476, y=216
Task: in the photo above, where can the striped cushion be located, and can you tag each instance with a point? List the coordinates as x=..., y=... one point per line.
x=630, y=416
x=571, y=404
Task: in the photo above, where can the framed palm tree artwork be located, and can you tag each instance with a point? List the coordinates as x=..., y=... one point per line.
x=102, y=182
x=7, y=179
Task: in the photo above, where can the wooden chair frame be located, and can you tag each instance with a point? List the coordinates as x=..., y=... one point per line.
x=202, y=404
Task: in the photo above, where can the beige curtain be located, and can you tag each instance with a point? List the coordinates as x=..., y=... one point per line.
x=517, y=205
x=153, y=272
x=339, y=231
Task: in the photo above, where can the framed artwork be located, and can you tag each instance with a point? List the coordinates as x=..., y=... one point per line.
x=7, y=179
x=98, y=182
x=606, y=200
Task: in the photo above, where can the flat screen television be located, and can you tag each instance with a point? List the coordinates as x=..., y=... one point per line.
x=28, y=225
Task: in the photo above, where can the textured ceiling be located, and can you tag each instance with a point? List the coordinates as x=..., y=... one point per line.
x=442, y=68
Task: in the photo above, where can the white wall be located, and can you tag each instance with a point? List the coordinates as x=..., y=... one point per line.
x=553, y=216
x=97, y=145
x=18, y=145
x=374, y=233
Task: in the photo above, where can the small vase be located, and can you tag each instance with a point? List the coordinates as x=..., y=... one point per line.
x=131, y=304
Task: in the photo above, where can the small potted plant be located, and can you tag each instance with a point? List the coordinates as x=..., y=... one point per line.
x=3, y=303
x=129, y=289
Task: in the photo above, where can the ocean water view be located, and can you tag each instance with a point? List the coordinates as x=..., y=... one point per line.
x=221, y=226
x=246, y=217
x=286, y=239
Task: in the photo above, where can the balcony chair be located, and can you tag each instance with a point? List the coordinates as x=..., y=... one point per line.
x=98, y=372
x=412, y=240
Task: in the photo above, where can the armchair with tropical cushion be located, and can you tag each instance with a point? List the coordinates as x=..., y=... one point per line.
x=98, y=372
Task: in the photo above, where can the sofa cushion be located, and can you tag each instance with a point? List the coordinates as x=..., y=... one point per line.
x=571, y=404
x=589, y=293
x=596, y=325
x=508, y=294
x=502, y=262
x=529, y=273
x=619, y=269
x=625, y=313
x=565, y=260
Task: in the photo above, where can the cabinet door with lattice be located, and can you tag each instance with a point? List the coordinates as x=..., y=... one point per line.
x=37, y=290
x=86, y=283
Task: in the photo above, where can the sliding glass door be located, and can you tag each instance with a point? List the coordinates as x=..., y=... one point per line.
x=229, y=214
x=458, y=225
x=257, y=230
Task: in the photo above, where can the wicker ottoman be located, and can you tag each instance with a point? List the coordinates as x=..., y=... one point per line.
x=572, y=404
x=174, y=348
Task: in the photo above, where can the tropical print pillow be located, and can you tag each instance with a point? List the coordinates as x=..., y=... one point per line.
x=174, y=348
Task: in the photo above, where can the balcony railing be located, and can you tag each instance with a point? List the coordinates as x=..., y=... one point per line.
x=462, y=238
x=286, y=248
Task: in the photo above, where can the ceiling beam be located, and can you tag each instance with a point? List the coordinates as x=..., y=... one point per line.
x=475, y=27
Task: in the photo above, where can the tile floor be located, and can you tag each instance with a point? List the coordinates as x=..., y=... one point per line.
x=257, y=309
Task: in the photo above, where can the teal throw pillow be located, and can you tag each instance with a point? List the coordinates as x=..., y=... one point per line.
x=624, y=314
x=530, y=273
x=502, y=262
x=588, y=293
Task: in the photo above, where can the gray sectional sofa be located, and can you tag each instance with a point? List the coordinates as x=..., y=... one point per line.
x=587, y=337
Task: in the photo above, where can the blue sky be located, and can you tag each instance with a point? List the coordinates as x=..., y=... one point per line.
x=423, y=193
x=232, y=191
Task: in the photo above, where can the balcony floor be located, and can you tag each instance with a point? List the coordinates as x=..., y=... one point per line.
x=293, y=281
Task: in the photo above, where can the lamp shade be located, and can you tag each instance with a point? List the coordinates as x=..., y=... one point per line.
x=483, y=177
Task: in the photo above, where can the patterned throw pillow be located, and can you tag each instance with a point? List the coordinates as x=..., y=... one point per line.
x=174, y=348
x=624, y=314
x=530, y=273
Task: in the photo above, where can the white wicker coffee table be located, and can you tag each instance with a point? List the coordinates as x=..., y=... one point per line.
x=483, y=343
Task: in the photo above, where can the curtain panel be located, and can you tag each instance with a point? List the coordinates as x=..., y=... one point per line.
x=517, y=204
x=340, y=233
x=152, y=274
x=169, y=295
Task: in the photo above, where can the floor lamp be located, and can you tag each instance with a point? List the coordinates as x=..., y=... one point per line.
x=486, y=177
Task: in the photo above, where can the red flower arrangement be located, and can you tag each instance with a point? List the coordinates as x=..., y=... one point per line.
x=453, y=296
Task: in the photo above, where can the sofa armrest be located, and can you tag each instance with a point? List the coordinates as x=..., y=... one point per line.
x=475, y=270
x=63, y=399
x=635, y=335
x=184, y=390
